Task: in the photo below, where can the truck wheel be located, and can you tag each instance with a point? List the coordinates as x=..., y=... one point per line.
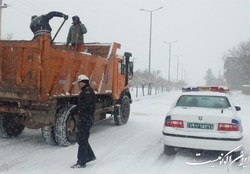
x=3, y=133
x=121, y=114
x=66, y=125
x=48, y=135
x=10, y=127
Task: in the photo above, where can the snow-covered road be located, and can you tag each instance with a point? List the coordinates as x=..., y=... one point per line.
x=136, y=148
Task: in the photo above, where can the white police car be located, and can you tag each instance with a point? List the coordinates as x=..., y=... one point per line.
x=203, y=118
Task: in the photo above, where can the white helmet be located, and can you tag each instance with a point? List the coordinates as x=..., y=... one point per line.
x=81, y=77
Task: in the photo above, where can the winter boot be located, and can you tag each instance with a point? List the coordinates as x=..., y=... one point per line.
x=77, y=165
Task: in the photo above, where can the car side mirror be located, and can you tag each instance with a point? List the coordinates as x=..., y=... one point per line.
x=237, y=108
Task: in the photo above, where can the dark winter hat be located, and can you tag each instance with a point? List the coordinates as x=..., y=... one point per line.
x=76, y=18
x=33, y=17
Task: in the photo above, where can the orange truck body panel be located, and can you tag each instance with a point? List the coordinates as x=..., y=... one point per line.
x=37, y=71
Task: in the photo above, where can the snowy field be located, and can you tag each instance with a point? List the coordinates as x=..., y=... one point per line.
x=136, y=148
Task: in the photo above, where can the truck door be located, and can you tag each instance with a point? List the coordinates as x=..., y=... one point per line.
x=121, y=76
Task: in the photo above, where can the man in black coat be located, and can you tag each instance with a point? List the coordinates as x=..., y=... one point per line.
x=41, y=23
x=86, y=109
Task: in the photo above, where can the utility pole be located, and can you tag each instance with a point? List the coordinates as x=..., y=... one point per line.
x=150, y=34
x=177, y=73
x=1, y=7
x=150, y=40
x=169, y=57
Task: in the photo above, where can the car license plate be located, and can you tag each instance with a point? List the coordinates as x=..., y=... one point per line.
x=200, y=125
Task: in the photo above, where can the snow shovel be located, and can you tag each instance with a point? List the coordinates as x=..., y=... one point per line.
x=58, y=31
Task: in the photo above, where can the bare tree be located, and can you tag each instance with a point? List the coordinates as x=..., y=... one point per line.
x=152, y=80
x=236, y=65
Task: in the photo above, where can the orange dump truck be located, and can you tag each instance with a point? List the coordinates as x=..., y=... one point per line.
x=36, y=88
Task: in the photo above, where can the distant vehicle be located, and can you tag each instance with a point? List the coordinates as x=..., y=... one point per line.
x=203, y=118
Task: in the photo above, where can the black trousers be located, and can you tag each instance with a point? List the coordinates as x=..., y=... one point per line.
x=85, y=152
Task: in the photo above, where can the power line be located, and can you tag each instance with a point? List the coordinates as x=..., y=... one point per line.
x=13, y=2
x=19, y=10
x=33, y=6
x=25, y=5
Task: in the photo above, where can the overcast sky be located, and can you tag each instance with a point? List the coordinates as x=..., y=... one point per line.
x=204, y=29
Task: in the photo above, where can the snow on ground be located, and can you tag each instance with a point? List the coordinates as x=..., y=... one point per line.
x=136, y=148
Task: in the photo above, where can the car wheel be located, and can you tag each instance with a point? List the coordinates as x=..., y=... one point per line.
x=169, y=150
x=236, y=155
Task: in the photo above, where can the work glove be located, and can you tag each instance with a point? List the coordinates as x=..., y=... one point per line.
x=65, y=17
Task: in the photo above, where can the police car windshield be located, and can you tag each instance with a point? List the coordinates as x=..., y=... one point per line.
x=203, y=101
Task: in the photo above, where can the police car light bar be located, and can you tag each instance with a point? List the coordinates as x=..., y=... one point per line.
x=207, y=88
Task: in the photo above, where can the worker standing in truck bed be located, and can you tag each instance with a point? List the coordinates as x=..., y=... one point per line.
x=75, y=35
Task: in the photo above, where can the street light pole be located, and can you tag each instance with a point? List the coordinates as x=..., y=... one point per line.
x=177, y=75
x=182, y=79
x=150, y=35
x=150, y=43
x=1, y=6
x=169, y=58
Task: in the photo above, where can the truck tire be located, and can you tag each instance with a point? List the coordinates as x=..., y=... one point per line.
x=48, y=135
x=121, y=114
x=10, y=127
x=66, y=125
x=3, y=133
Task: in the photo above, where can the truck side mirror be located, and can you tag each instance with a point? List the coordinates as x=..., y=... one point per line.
x=130, y=70
x=129, y=74
x=127, y=54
